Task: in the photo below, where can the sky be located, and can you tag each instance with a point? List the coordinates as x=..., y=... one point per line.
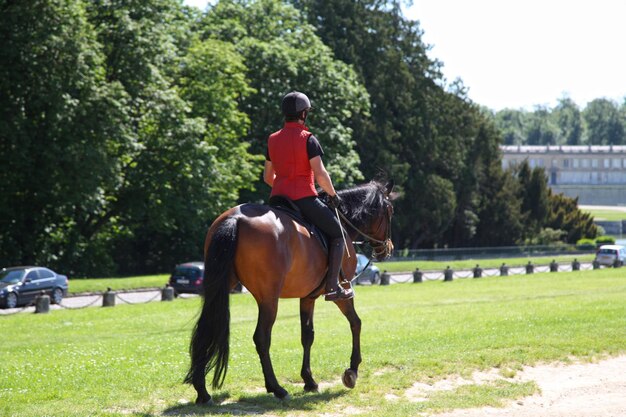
x=522, y=54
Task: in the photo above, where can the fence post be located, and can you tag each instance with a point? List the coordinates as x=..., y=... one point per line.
x=417, y=275
x=384, y=278
x=504, y=270
x=42, y=303
x=108, y=298
x=448, y=274
x=554, y=267
x=575, y=265
x=167, y=294
x=530, y=268
x=478, y=272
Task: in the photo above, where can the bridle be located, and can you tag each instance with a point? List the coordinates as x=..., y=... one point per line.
x=379, y=247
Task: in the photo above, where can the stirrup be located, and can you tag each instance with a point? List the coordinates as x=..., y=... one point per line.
x=339, y=294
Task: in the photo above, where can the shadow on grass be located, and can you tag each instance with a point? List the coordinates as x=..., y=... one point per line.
x=253, y=404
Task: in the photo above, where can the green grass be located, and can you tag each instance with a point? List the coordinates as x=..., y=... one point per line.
x=606, y=214
x=130, y=359
x=78, y=286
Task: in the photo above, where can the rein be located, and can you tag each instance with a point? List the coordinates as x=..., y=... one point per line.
x=383, y=247
x=356, y=229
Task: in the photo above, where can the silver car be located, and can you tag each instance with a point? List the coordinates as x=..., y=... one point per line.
x=370, y=275
x=611, y=255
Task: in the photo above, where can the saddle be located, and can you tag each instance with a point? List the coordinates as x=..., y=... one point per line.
x=287, y=206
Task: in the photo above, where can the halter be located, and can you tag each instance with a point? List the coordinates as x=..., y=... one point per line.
x=383, y=247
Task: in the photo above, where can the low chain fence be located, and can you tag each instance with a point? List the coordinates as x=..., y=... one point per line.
x=477, y=272
x=107, y=299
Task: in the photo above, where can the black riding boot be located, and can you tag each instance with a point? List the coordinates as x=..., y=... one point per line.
x=334, y=291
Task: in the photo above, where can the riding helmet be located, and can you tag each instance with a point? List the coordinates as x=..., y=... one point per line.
x=294, y=103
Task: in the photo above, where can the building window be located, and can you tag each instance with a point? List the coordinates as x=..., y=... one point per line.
x=607, y=163
x=594, y=163
x=616, y=163
x=566, y=163
x=575, y=163
x=585, y=163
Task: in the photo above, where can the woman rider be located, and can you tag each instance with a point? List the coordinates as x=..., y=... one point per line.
x=292, y=165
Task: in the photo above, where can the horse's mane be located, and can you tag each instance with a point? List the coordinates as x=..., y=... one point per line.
x=362, y=202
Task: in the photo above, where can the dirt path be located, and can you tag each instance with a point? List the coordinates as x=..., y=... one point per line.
x=579, y=390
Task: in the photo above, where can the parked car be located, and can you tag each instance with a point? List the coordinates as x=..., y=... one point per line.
x=610, y=254
x=20, y=285
x=187, y=278
x=370, y=275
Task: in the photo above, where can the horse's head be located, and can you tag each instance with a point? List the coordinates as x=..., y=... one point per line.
x=368, y=210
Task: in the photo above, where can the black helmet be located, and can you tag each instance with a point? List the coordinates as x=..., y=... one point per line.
x=294, y=103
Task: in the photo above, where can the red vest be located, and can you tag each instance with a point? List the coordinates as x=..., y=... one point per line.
x=287, y=151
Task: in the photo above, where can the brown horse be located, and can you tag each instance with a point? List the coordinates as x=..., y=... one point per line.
x=275, y=257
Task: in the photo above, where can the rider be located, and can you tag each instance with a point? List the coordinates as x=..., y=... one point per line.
x=293, y=163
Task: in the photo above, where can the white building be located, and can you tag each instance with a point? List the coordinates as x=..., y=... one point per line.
x=594, y=174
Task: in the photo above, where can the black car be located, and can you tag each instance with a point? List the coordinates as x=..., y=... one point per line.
x=187, y=278
x=20, y=285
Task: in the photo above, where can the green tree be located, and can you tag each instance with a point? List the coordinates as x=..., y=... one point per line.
x=59, y=118
x=603, y=123
x=568, y=118
x=534, y=196
x=539, y=128
x=511, y=125
x=565, y=215
x=284, y=54
x=423, y=132
x=176, y=158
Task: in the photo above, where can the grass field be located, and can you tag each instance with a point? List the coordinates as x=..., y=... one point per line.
x=606, y=214
x=130, y=359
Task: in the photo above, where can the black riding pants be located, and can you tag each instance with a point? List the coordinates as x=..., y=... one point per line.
x=320, y=215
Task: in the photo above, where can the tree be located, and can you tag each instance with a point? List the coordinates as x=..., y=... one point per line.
x=59, y=118
x=539, y=129
x=421, y=134
x=565, y=215
x=534, y=196
x=511, y=125
x=568, y=118
x=180, y=145
x=284, y=54
x=603, y=123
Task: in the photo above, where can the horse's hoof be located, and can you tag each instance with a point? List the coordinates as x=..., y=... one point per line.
x=281, y=393
x=349, y=378
x=207, y=401
x=311, y=388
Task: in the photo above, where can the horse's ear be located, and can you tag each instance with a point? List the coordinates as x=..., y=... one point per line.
x=389, y=187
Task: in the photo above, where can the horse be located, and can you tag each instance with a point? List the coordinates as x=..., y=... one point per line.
x=274, y=257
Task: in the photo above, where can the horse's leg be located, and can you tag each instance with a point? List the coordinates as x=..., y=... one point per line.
x=350, y=375
x=263, y=340
x=307, y=336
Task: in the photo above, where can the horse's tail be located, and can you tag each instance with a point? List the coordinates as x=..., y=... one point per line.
x=209, y=343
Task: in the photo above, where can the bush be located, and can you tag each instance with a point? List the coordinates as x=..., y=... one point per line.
x=605, y=240
x=586, y=244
